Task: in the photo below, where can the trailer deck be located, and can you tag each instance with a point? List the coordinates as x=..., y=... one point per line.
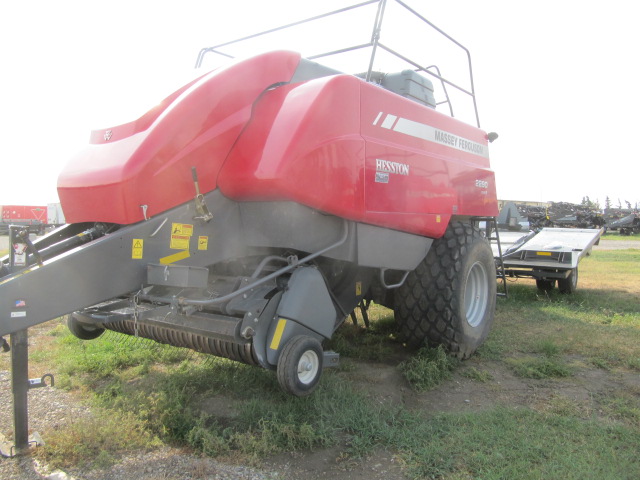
x=551, y=253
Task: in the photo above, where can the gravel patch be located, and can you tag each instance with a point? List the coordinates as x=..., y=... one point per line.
x=51, y=408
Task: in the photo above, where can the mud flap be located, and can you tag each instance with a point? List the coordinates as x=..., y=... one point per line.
x=306, y=308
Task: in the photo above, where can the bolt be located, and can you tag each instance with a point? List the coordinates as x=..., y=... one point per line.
x=248, y=332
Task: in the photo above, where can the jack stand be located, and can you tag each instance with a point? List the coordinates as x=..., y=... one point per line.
x=21, y=385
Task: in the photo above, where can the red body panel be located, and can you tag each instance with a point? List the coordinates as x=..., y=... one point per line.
x=148, y=162
x=320, y=143
x=336, y=144
x=304, y=144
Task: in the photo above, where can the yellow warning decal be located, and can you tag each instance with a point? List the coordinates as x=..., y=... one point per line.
x=181, y=229
x=358, y=289
x=180, y=242
x=546, y=254
x=203, y=243
x=438, y=219
x=136, y=248
x=175, y=257
x=277, y=336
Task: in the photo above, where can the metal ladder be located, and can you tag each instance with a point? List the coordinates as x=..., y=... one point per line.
x=491, y=228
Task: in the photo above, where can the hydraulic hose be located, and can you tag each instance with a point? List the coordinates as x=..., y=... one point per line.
x=240, y=291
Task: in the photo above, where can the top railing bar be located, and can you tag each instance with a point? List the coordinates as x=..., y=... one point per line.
x=213, y=50
x=300, y=22
x=450, y=38
x=337, y=52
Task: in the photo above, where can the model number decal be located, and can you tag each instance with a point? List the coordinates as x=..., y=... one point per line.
x=482, y=184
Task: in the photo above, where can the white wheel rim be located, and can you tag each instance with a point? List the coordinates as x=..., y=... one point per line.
x=308, y=366
x=476, y=295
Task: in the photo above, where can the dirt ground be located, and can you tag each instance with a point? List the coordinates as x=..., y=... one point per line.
x=381, y=382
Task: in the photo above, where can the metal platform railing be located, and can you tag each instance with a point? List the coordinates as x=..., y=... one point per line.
x=375, y=43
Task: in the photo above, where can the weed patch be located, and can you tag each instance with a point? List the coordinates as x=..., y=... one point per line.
x=623, y=406
x=539, y=368
x=96, y=442
x=478, y=375
x=427, y=368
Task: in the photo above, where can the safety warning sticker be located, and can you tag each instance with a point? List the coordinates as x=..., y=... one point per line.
x=180, y=242
x=203, y=243
x=182, y=229
x=136, y=248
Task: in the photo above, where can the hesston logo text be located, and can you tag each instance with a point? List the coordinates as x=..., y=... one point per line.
x=391, y=167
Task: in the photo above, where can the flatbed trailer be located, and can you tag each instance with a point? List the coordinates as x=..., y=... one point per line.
x=550, y=255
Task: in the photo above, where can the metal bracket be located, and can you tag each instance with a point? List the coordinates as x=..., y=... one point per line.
x=201, y=206
x=384, y=283
x=330, y=359
x=40, y=382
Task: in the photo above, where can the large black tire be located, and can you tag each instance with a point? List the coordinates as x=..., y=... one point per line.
x=570, y=284
x=450, y=298
x=83, y=331
x=300, y=365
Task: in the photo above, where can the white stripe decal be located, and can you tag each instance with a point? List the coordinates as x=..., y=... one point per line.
x=432, y=134
x=377, y=118
x=389, y=121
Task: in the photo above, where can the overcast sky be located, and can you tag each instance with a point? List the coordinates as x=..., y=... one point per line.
x=558, y=80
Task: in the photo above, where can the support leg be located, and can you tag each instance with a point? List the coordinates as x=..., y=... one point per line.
x=20, y=386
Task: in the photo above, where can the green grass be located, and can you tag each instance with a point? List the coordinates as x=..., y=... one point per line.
x=600, y=321
x=611, y=235
x=499, y=443
x=150, y=393
x=518, y=443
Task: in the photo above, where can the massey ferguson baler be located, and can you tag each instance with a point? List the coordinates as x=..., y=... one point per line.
x=253, y=210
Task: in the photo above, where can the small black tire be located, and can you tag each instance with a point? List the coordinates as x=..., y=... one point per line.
x=83, y=331
x=450, y=298
x=300, y=365
x=570, y=284
x=545, y=285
